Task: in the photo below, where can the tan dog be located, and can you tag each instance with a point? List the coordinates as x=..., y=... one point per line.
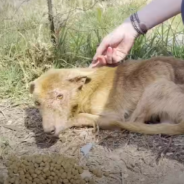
x=124, y=97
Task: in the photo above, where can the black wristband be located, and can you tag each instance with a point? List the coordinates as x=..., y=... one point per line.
x=133, y=21
x=142, y=26
x=139, y=27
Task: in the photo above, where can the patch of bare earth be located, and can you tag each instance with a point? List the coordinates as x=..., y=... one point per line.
x=125, y=158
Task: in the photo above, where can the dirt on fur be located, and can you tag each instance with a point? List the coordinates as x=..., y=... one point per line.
x=125, y=158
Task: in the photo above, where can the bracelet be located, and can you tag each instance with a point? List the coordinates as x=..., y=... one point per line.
x=138, y=26
x=141, y=25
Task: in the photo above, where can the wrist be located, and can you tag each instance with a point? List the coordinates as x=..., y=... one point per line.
x=139, y=26
x=132, y=31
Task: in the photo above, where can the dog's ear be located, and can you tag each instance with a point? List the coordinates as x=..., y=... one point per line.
x=31, y=87
x=79, y=81
x=80, y=77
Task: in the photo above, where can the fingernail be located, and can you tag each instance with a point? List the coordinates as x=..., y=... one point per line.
x=109, y=49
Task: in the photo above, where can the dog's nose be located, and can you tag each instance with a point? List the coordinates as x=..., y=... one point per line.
x=50, y=130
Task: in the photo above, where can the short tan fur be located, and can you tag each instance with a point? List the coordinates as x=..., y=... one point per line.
x=125, y=96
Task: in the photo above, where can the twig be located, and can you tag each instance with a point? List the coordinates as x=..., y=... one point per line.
x=122, y=177
x=164, y=151
x=3, y=114
x=10, y=127
x=51, y=20
x=129, y=167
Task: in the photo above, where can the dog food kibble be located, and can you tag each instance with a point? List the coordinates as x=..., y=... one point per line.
x=44, y=169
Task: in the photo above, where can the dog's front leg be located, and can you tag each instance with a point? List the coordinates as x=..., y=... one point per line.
x=100, y=121
x=84, y=119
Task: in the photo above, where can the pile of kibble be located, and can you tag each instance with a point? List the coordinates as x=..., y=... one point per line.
x=44, y=169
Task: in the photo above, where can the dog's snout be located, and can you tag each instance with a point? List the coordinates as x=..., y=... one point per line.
x=50, y=130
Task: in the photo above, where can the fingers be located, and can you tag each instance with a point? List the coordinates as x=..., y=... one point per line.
x=113, y=48
x=113, y=56
x=105, y=54
x=109, y=55
x=101, y=61
x=101, y=49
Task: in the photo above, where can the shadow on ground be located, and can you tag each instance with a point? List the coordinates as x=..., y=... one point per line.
x=32, y=122
x=171, y=147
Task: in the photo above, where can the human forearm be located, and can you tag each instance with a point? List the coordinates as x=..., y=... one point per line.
x=117, y=44
x=158, y=11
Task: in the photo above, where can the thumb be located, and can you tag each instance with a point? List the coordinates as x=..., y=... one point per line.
x=101, y=61
x=100, y=50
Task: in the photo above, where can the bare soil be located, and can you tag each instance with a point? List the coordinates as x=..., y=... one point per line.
x=126, y=158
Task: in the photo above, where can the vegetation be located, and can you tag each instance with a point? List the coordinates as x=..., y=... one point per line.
x=26, y=49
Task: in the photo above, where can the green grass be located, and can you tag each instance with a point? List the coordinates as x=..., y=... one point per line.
x=26, y=50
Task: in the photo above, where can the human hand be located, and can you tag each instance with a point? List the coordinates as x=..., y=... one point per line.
x=115, y=46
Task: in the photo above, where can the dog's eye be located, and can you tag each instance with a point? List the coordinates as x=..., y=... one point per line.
x=37, y=103
x=60, y=96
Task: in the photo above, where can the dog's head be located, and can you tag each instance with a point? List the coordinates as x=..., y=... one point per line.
x=55, y=94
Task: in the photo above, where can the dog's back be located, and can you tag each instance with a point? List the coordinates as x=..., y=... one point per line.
x=177, y=65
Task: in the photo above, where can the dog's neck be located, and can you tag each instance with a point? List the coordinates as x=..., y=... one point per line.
x=86, y=93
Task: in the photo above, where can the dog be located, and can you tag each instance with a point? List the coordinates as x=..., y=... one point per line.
x=126, y=96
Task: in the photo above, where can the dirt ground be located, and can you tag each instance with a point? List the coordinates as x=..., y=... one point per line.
x=126, y=158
